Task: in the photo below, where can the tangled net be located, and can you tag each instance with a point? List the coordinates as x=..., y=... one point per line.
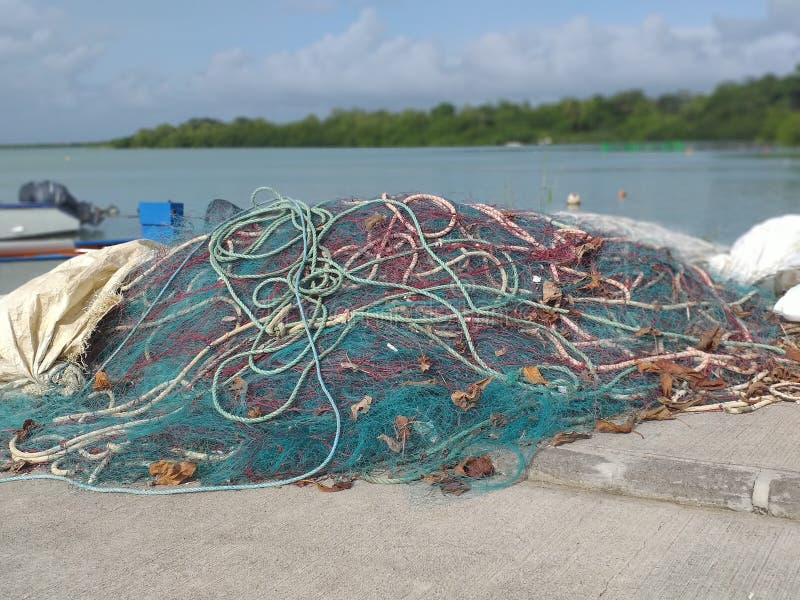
x=389, y=340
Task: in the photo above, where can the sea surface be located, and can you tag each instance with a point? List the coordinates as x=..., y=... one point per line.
x=713, y=194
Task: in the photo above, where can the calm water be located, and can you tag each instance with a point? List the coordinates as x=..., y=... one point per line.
x=713, y=194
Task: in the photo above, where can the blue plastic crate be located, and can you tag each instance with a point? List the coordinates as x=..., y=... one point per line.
x=160, y=213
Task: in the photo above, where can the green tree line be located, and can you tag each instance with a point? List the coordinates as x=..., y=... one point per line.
x=765, y=109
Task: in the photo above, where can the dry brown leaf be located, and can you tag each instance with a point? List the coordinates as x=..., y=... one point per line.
x=543, y=316
x=349, y=364
x=695, y=379
x=237, y=384
x=567, y=437
x=402, y=426
x=454, y=486
x=656, y=413
x=666, y=384
x=607, y=426
x=336, y=486
x=533, y=375
x=587, y=248
x=373, y=221
x=468, y=399
x=683, y=404
x=756, y=389
x=475, y=467
x=594, y=282
x=424, y=363
x=254, y=412
x=740, y=312
x=710, y=339
x=500, y=352
x=550, y=292
x=792, y=353
x=101, y=382
x=360, y=406
x=27, y=425
x=646, y=331
x=392, y=443
x=171, y=473
x=497, y=419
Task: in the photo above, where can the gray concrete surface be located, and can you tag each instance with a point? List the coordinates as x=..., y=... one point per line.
x=742, y=462
x=377, y=541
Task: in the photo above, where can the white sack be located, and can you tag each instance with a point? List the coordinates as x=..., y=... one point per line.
x=764, y=250
x=788, y=306
x=50, y=318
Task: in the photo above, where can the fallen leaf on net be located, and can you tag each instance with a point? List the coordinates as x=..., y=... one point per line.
x=424, y=363
x=101, y=382
x=373, y=221
x=657, y=413
x=402, y=426
x=336, y=486
x=533, y=375
x=587, y=248
x=393, y=444
x=756, y=389
x=594, y=283
x=665, y=379
x=468, y=399
x=254, y=412
x=500, y=352
x=646, y=331
x=792, y=353
x=497, y=419
x=172, y=473
x=567, y=437
x=740, y=312
x=475, y=467
x=694, y=378
x=237, y=384
x=362, y=406
x=550, y=292
x=710, y=339
x=607, y=426
x=545, y=317
x=681, y=405
x=27, y=425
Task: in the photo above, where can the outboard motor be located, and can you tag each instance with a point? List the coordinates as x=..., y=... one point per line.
x=56, y=194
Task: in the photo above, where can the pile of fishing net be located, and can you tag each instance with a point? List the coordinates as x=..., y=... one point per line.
x=386, y=340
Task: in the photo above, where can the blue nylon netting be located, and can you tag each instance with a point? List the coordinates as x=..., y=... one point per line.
x=441, y=332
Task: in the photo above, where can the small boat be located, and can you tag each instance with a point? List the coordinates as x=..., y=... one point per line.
x=35, y=220
x=47, y=208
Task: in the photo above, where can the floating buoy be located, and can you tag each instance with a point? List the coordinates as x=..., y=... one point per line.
x=574, y=200
x=622, y=194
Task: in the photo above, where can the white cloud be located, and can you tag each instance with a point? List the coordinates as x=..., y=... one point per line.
x=40, y=61
x=364, y=66
x=46, y=62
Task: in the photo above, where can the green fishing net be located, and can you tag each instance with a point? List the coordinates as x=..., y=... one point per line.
x=386, y=340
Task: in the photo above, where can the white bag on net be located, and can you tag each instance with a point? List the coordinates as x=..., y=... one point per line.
x=48, y=320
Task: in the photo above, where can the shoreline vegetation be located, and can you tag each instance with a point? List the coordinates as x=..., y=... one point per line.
x=764, y=110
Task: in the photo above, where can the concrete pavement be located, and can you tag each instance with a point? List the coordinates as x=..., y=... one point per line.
x=380, y=541
x=748, y=462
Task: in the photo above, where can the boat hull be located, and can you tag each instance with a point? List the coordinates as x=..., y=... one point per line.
x=19, y=221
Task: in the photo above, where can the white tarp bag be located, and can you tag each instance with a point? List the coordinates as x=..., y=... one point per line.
x=764, y=250
x=49, y=319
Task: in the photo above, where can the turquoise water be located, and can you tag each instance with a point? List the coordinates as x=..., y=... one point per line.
x=715, y=194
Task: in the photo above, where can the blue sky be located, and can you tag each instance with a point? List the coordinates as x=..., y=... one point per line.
x=84, y=69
